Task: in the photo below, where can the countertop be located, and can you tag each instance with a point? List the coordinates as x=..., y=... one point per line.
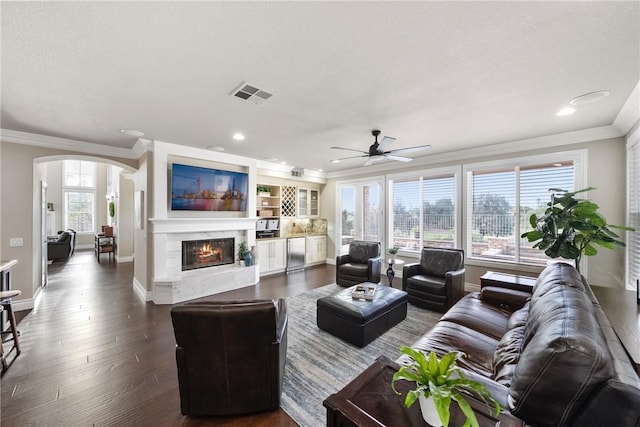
x=291, y=236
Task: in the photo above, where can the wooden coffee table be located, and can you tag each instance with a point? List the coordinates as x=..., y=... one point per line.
x=369, y=400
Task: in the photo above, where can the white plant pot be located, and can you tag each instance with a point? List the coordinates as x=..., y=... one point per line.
x=429, y=412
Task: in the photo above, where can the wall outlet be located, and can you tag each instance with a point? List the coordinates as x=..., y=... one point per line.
x=15, y=241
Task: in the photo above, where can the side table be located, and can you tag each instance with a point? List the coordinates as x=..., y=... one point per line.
x=104, y=245
x=390, y=273
x=368, y=400
x=517, y=282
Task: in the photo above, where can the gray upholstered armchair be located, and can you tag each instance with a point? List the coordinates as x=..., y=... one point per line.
x=61, y=248
x=230, y=355
x=437, y=281
x=363, y=263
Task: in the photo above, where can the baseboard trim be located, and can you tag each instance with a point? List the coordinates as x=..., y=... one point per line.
x=124, y=258
x=141, y=291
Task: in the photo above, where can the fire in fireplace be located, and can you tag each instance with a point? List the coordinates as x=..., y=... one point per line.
x=207, y=253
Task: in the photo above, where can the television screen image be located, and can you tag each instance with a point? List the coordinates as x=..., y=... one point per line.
x=196, y=188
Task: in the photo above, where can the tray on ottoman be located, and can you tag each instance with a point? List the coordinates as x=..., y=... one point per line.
x=360, y=321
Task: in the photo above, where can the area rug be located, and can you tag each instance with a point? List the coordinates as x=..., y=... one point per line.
x=319, y=364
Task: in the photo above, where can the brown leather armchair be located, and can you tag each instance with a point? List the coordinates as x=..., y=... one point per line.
x=437, y=281
x=363, y=263
x=230, y=355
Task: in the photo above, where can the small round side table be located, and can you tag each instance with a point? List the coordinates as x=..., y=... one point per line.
x=390, y=272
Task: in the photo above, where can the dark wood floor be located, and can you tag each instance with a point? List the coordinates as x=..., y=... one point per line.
x=95, y=354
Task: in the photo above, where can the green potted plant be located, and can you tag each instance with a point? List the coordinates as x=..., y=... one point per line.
x=242, y=251
x=438, y=382
x=572, y=227
x=393, y=251
x=263, y=190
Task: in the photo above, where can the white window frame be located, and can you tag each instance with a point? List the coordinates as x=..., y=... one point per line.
x=426, y=174
x=358, y=225
x=79, y=189
x=579, y=159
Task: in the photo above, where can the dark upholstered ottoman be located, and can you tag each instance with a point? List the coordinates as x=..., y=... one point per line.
x=360, y=321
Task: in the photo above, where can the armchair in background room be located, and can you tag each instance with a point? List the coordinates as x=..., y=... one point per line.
x=230, y=355
x=437, y=281
x=363, y=263
x=61, y=248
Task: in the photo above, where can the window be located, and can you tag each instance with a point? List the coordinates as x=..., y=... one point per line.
x=360, y=212
x=633, y=213
x=423, y=211
x=502, y=199
x=79, y=195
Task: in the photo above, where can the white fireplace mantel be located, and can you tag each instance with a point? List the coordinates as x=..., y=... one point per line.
x=170, y=284
x=190, y=225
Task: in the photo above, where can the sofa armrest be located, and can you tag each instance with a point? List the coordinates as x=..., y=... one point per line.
x=282, y=320
x=407, y=271
x=375, y=268
x=342, y=259
x=505, y=298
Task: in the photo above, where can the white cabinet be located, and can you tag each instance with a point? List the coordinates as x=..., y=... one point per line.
x=308, y=202
x=272, y=255
x=316, y=250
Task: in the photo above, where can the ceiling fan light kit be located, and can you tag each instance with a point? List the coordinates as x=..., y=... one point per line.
x=377, y=150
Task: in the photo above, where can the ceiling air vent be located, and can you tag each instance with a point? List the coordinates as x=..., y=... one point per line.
x=297, y=172
x=251, y=93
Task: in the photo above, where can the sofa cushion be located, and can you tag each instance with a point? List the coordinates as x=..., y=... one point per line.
x=519, y=317
x=448, y=336
x=507, y=355
x=564, y=358
x=474, y=313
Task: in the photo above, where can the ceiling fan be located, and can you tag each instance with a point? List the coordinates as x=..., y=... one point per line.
x=377, y=150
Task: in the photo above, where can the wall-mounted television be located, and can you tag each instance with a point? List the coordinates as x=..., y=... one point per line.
x=195, y=188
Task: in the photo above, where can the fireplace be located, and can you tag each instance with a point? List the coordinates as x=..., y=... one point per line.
x=207, y=253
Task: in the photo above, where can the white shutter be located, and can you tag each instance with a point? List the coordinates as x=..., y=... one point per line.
x=633, y=213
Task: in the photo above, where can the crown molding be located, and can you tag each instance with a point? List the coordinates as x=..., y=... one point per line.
x=26, y=138
x=629, y=114
x=142, y=146
x=560, y=139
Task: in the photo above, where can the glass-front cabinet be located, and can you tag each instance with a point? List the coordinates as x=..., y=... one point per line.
x=308, y=202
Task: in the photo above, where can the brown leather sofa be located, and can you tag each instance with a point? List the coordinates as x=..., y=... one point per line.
x=230, y=355
x=547, y=353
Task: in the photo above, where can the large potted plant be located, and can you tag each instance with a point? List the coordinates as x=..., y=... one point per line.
x=572, y=227
x=438, y=382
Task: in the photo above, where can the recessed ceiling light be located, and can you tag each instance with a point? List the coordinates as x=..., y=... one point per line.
x=320, y=170
x=566, y=111
x=132, y=132
x=283, y=163
x=215, y=148
x=335, y=161
x=589, y=97
x=238, y=137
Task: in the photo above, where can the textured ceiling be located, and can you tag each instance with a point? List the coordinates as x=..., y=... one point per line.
x=455, y=75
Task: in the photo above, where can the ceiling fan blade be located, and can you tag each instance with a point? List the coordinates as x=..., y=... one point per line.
x=398, y=158
x=409, y=149
x=373, y=159
x=352, y=157
x=350, y=149
x=386, y=141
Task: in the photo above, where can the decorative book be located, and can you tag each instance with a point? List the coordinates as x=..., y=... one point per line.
x=363, y=292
